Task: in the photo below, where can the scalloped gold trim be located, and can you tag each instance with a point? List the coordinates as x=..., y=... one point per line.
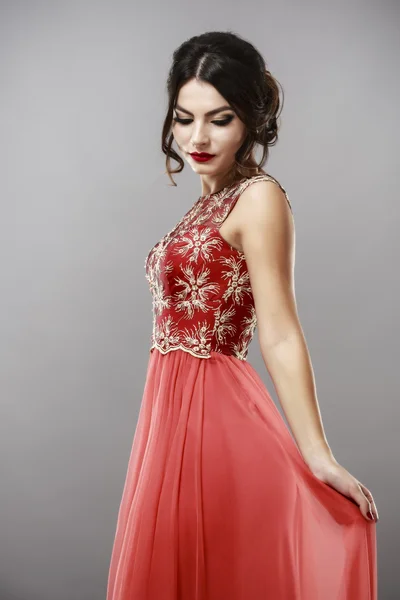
x=180, y=347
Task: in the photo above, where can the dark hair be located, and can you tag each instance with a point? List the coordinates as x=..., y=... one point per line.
x=238, y=71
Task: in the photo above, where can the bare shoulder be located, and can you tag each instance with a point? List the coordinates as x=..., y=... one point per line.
x=267, y=239
x=263, y=208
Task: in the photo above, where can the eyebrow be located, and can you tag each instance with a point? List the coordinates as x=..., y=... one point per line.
x=209, y=113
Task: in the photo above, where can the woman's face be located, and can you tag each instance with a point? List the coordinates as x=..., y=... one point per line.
x=220, y=134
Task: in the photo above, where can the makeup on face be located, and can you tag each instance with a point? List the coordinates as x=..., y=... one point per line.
x=219, y=122
x=201, y=156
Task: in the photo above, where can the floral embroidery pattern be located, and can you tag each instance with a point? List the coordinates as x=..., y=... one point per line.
x=199, y=338
x=198, y=244
x=166, y=333
x=223, y=326
x=238, y=278
x=196, y=291
x=201, y=291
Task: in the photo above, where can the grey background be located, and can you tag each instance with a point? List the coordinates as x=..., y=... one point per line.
x=83, y=199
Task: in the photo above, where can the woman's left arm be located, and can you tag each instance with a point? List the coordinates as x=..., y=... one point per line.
x=267, y=237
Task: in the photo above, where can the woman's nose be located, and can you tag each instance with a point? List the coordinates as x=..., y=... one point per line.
x=199, y=137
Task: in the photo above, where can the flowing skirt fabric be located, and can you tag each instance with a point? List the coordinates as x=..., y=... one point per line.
x=218, y=503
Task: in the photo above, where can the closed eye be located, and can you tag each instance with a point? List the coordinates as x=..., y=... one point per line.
x=220, y=122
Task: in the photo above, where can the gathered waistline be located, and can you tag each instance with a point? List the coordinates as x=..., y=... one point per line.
x=207, y=355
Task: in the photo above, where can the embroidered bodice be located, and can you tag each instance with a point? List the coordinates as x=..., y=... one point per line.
x=202, y=298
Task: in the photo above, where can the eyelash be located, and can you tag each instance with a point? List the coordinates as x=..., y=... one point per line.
x=219, y=123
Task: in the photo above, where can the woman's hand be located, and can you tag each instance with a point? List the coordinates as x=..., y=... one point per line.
x=332, y=473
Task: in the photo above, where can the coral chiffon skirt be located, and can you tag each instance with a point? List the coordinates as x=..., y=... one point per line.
x=218, y=503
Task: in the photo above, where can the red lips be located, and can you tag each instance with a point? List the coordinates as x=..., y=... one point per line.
x=201, y=156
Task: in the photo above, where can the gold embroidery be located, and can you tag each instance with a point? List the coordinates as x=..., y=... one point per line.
x=198, y=243
x=196, y=291
x=193, y=270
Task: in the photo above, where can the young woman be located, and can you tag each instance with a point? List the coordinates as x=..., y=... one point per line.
x=220, y=502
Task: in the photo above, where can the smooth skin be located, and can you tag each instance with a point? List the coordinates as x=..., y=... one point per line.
x=261, y=225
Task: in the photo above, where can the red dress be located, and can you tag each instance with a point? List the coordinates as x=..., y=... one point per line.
x=218, y=503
